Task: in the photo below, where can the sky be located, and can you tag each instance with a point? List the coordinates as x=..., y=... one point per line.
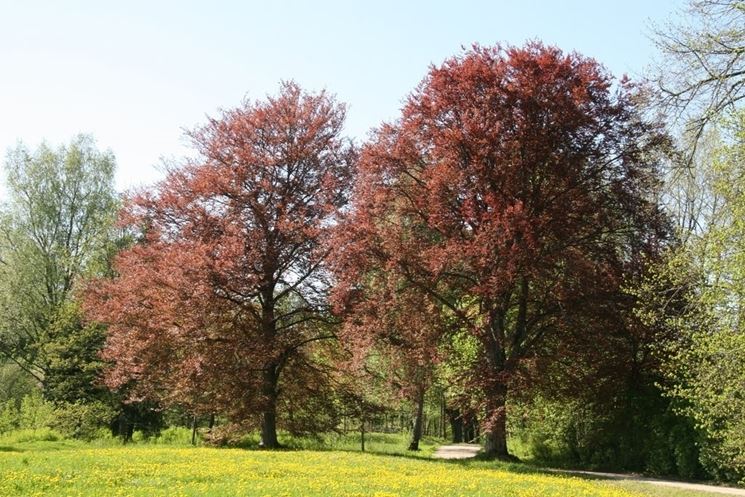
x=136, y=74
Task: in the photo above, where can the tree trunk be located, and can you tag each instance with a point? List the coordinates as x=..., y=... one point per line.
x=456, y=425
x=194, y=430
x=416, y=433
x=495, y=438
x=362, y=434
x=269, y=413
x=443, y=424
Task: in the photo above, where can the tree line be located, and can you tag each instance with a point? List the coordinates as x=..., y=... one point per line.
x=528, y=250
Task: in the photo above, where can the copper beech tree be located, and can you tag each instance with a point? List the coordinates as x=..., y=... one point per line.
x=225, y=285
x=511, y=192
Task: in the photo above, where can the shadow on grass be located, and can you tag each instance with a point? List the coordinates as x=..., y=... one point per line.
x=4, y=448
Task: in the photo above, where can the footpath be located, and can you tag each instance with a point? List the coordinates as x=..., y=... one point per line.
x=466, y=451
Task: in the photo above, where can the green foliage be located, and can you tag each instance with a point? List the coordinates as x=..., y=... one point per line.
x=8, y=416
x=72, y=351
x=699, y=292
x=25, y=436
x=82, y=420
x=35, y=412
x=14, y=383
x=54, y=229
x=639, y=434
x=710, y=369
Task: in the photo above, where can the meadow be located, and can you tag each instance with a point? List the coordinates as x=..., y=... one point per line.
x=39, y=465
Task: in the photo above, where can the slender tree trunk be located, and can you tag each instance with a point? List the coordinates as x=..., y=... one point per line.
x=416, y=433
x=269, y=413
x=443, y=423
x=362, y=434
x=212, y=422
x=194, y=430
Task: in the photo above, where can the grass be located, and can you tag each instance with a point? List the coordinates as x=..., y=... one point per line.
x=333, y=466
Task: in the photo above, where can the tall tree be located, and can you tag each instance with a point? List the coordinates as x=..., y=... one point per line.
x=709, y=358
x=54, y=229
x=509, y=192
x=226, y=285
x=703, y=73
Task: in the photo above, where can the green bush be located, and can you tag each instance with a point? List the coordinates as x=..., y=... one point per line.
x=174, y=435
x=30, y=435
x=639, y=434
x=82, y=421
x=35, y=412
x=8, y=416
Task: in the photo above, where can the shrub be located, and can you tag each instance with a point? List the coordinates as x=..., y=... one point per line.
x=83, y=421
x=8, y=416
x=35, y=412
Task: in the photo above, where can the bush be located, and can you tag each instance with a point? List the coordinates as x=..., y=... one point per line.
x=8, y=416
x=33, y=435
x=639, y=434
x=35, y=412
x=175, y=435
x=82, y=421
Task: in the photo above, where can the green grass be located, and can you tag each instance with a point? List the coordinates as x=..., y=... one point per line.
x=37, y=464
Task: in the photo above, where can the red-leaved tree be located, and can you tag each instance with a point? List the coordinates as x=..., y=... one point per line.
x=225, y=286
x=511, y=192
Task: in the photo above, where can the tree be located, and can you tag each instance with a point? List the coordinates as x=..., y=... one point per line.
x=225, y=286
x=392, y=319
x=54, y=229
x=703, y=75
x=512, y=191
x=706, y=369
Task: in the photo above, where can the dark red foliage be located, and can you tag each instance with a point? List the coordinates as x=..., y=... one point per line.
x=513, y=192
x=225, y=286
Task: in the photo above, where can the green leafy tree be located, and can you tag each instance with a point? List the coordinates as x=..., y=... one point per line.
x=711, y=368
x=699, y=292
x=54, y=228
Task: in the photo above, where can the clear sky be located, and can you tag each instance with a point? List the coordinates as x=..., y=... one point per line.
x=136, y=73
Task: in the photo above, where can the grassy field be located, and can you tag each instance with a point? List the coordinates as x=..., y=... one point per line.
x=65, y=468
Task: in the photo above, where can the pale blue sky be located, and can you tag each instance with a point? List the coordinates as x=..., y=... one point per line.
x=135, y=73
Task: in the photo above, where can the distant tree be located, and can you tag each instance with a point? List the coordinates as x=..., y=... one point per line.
x=509, y=192
x=226, y=285
x=389, y=317
x=54, y=229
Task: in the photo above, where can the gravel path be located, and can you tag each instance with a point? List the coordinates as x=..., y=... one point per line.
x=457, y=451
x=466, y=451
x=656, y=481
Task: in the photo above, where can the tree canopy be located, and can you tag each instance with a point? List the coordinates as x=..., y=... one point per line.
x=225, y=287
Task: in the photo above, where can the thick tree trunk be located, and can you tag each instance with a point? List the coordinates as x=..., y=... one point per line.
x=495, y=442
x=269, y=413
x=416, y=433
x=495, y=438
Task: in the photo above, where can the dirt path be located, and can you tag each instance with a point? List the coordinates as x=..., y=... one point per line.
x=466, y=451
x=457, y=451
x=655, y=481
